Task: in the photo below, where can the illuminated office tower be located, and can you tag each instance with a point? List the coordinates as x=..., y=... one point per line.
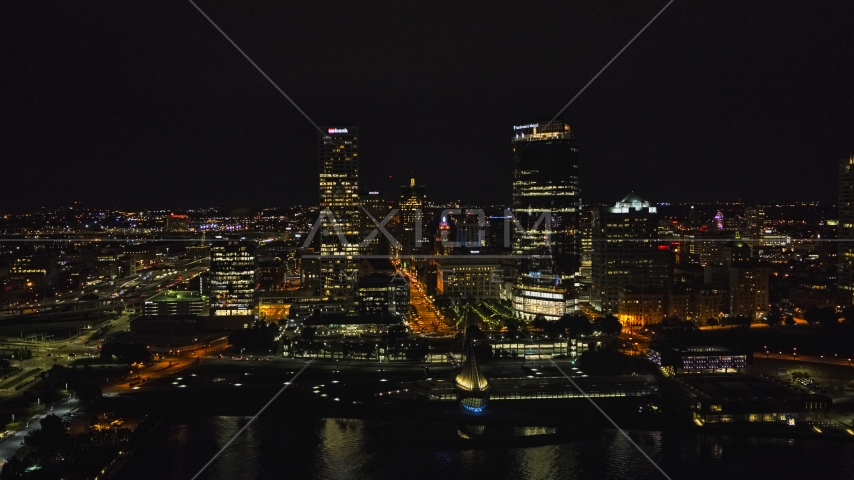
x=627, y=252
x=545, y=181
x=234, y=278
x=845, y=257
x=755, y=217
x=412, y=199
x=339, y=237
x=545, y=204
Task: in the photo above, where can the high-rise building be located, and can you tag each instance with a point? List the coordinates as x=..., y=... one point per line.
x=339, y=236
x=585, y=230
x=845, y=229
x=627, y=252
x=748, y=290
x=755, y=216
x=412, y=200
x=545, y=188
x=545, y=203
x=233, y=279
x=376, y=205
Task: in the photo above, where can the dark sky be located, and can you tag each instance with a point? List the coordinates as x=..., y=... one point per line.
x=146, y=104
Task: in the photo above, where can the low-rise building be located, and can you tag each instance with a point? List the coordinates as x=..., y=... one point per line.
x=699, y=359
x=176, y=302
x=339, y=324
x=742, y=398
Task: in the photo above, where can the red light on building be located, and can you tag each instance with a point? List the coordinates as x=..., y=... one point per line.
x=664, y=247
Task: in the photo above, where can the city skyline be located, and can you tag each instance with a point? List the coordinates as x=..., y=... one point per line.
x=692, y=99
x=228, y=225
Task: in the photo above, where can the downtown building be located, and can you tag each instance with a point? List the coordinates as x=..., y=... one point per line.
x=413, y=197
x=545, y=203
x=627, y=253
x=845, y=254
x=233, y=279
x=375, y=207
x=336, y=234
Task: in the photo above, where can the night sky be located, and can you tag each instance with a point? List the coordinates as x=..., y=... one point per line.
x=133, y=104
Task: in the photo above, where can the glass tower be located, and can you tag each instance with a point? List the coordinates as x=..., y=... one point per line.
x=339, y=236
x=546, y=242
x=845, y=257
x=545, y=182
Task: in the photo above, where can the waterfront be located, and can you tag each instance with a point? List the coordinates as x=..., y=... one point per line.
x=307, y=448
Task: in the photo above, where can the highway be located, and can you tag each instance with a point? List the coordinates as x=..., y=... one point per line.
x=83, y=345
x=116, y=292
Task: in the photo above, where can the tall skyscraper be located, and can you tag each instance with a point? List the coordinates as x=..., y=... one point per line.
x=234, y=278
x=412, y=199
x=625, y=253
x=339, y=236
x=545, y=182
x=845, y=257
x=377, y=205
x=545, y=203
x=755, y=216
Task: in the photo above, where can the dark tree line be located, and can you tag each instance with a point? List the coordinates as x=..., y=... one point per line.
x=260, y=338
x=579, y=324
x=125, y=353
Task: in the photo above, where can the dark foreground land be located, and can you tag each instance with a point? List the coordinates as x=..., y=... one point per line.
x=333, y=390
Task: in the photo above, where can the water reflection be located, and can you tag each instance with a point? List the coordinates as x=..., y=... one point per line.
x=304, y=448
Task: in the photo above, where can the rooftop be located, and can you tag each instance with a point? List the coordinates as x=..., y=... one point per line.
x=176, y=296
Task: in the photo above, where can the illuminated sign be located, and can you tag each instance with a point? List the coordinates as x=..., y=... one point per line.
x=530, y=125
x=337, y=130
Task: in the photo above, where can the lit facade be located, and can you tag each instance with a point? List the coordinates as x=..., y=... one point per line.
x=234, y=279
x=545, y=182
x=531, y=301
x=546, y=206
x=479, y=279
x=640, y=308
x=379, y=293
x=748, y=291
x=845, y=256
x=412, y=200
x=339, y=237
x=627, y=253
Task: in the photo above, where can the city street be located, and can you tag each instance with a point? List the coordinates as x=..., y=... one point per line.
x=428, y=319
x=827, y=360
x=10, y=444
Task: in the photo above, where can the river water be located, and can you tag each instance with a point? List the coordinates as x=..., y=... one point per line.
x=275, y=447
